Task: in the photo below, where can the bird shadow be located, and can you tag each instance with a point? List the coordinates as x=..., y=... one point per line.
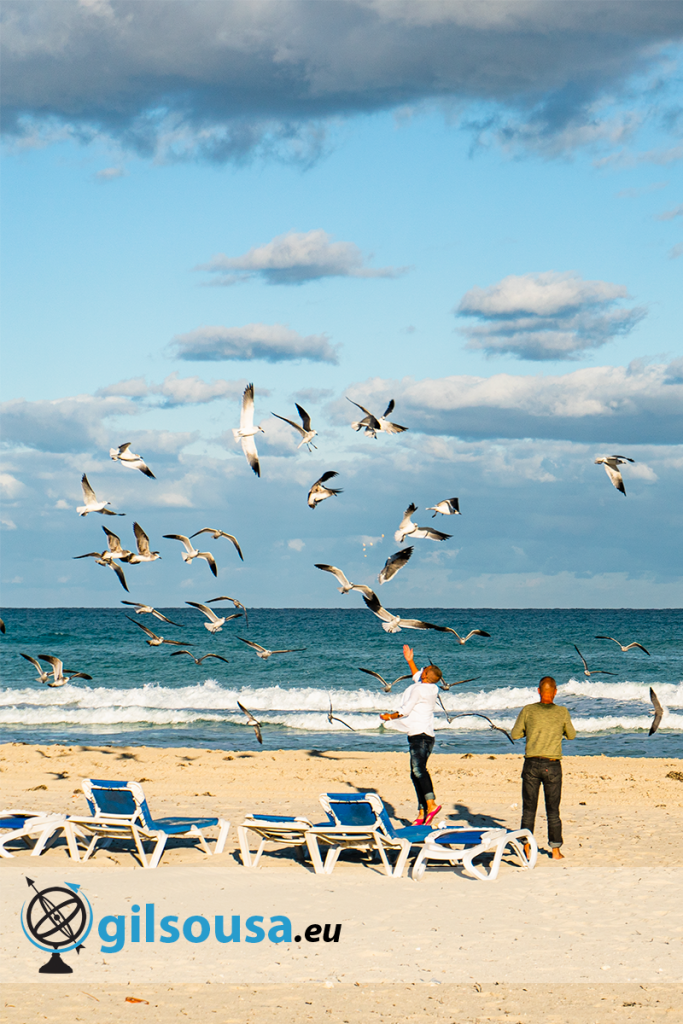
x=461, y=812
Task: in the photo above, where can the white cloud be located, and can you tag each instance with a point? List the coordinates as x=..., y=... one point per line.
x=272, y=342
x=311, y=395
x=671, y=214
x=110, y=174
x=675, y=251
x=10, y=487
x=295, y=258
x=296, y=544
x=175, y=390
x=547, y=315
x=8, y=524
x=65, y=424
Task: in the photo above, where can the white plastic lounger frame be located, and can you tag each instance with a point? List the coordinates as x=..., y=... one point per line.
x=120, y=811
x=286, y=831
x=43, y=828
x=344, y=837
x=479, y=841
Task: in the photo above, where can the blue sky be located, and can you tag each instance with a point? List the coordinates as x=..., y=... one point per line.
x=540, y=197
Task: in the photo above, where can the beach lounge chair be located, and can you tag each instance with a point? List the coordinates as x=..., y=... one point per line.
x=360, y=821
x=37, y=827
x=461, y=845
x=271, y=828
x=119, y=811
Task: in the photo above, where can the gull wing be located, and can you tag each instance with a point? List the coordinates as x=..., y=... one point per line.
x=659, y=712
x=391, y=428
x=179, y=536
x=210, y=559
x=79, y=675
x=209, y=612
x=235, y=542
x=637, y=645
x=251, y=453
x=581, y=656
x=289, y=650
x=362, y=588
x=57, y=665
x=113, y=541
x=394, y=563
x=362, y=408
x=369, y=672
x=330, y=568
x=247, y=411
x=373, y=603
x=616, y=477
x=176, y=653
x=142, y=539
x=252, y=643
x=219, y=656
x=251, y=721
x=90, y=554
x=419, y=624
x=143, y=628
x=122, y=579
x=389, y=409
x=476, y=632
x=326, y=476
x=305, y=418
x=291, y=423
x=33, y=661
x=407, y=514
x=475, y=714
x=447, y=686
x=426, y=532
x=158, y=615
x=89, y=495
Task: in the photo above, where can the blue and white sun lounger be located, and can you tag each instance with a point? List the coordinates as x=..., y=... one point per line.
x=272, y=828
x=461, y=845
x=36, y=826
x=120, y=811
x=361, y=822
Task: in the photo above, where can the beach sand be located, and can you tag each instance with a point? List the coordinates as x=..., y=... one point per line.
x=596, y=937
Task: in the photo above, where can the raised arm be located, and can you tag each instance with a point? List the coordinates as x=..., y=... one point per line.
x=408, y=655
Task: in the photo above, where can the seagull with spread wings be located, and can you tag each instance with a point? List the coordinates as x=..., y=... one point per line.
x=106, y=558
x=215, y=624
x=373, y=424
x=385, y=685
x=146, y=609
x=319, y=492
x=659, y=712
x=394, y=623
x=611, y=464
x=264, y=653
x=198, y=661
x=410, y=529
x=394, y=563
x=594, y=671
x=306, y=431
x=58, y=671
x=627, y=647
x=236, y=603
x=157, y=641
x=91, y=502
x=253, y=722
x=216, y=534
x=443, y=685
x=128, y=458
x=43, y=676
x=476, y=714
x=191, y=551
x=447, y=507
x=246, y=431
x=333, y=718
x=143, y=553
x=346, y=586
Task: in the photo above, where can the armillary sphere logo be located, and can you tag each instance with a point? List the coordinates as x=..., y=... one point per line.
x=57, y=920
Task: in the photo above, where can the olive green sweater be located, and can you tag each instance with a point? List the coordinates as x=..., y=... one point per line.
x=544, y=725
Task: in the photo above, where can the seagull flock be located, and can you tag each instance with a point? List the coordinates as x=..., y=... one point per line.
x=246, y=434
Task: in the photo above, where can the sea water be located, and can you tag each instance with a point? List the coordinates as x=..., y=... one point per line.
x=142, y=695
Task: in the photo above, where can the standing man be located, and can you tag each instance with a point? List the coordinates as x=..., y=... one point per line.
x=417, y=719
x=544, y=725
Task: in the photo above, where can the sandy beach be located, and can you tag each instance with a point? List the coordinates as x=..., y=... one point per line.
x=588, y=939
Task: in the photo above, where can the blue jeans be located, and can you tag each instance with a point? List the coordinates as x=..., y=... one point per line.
x=537, y=772
x=421, y=747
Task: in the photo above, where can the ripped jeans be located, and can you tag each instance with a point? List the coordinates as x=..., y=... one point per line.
x=421, y=747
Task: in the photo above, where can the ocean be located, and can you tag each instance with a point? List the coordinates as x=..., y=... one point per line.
x=141, y=695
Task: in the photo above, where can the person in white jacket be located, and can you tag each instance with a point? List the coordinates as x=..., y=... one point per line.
x=416, y=717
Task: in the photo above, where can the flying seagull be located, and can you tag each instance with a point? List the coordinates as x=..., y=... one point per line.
x=372, y=424
x=464, y=639
x=611, y=464
x=394, y=623
x=333, y=718
x=251, y=721
x=593, y=672
x=43, y=676
x=123, y=455
x=143, y=553
x=446, y=686
x=91, y=502
x=106, y=558
x=191, y=551
x=246, y=430
x=319, y=492
x=58, y=671
x=237, y=604
x=411, y=529
x=659, y=711
x=198, y=661
x=115, y=549
x=385, y=685
x=447, y=507
x=146, y=609
x=626, y=648
x=156, y=641
x=263, y=652
x=346, y=586
x=394, y=563
x=476, y=714
x=216, y=534
x=306, y=431
x=215, y=624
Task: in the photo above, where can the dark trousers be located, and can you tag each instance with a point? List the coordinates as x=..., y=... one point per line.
x=421, y=747
x=537, y=772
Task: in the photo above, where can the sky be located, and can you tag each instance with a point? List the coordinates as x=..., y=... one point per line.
x=472, y=209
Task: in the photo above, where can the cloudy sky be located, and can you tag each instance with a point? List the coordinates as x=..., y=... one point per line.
x=472, y=208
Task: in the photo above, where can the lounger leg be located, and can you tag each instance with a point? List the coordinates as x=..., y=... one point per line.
x=256, y=857
x=158, y=850
x=222, y=835
x=198, y=834
x=91, y=848
x=419, y=865
x=400, y=864
x=48, y=834
x=141, y=849
x=388, y=870
x=332, y=858
x=314, y=851
x=243, y=838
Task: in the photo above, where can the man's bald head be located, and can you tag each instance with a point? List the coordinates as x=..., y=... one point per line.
x=547, y=689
